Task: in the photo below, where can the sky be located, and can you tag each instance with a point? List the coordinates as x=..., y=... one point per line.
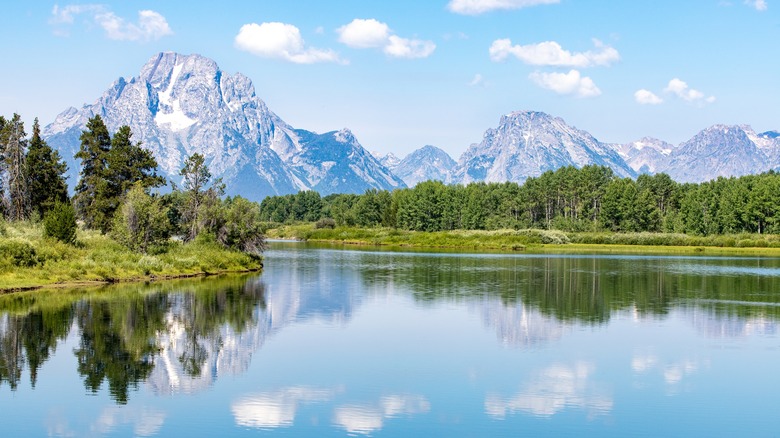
x=404, y=74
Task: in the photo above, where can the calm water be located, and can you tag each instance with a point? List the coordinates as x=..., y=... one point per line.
x=333, y=342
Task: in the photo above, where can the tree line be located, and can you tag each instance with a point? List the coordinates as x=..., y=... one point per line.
x=591, y=198
x=115, y=192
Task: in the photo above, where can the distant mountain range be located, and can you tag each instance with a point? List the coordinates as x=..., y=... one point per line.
x=184, y=104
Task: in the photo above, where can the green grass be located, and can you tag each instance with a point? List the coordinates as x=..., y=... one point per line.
x=29, y=260
x=538, y=240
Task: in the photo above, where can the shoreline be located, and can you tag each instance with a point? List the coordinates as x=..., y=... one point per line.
x=511, y=241
x=135, y=279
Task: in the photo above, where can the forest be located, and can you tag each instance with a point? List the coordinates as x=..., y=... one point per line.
x=587, y=199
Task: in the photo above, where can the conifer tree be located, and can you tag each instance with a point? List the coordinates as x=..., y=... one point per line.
x=46, y=174
x=13, y=139
x=91, y=199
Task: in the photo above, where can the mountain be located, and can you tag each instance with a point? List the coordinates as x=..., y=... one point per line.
x=424, y=164
x=646, y=155
x=184, y=104
x=528, y=143
x=720, y=150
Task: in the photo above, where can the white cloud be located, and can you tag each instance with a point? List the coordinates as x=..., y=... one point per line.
x=475, y=7
x=550, y=53
x=364, y=34
x=150, y=26
x=681, y=89
x=478, y=80
x=405, y=48
x=370, y=33
x=280, y=41
x=759, y=5
x=566, y=83
x=645, y=97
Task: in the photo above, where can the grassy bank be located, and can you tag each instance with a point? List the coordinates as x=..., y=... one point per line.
x=28, y=260
x=537, y=240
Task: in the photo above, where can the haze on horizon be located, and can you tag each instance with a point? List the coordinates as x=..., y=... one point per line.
x=407, y=74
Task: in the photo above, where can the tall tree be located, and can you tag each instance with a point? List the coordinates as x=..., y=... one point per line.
x=92, y=197
x=129, y=164
x=13, y=139
x=196, y=176
x=45, y=174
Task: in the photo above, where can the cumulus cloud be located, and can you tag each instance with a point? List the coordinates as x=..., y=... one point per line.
x=681, y=89
x=409, y=48
x=150, y=25
x=646, y=97
x=476, y=7
x=370, y=33
x=571, y=83
x=550, y=53
x=363, y=34
x=759, y=5
x=280, y=41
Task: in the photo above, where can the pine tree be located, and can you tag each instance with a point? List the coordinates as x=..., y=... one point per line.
x=129, y=164
x=13, y=139
x=110, y=167
x=92, y=189
x=45, y=174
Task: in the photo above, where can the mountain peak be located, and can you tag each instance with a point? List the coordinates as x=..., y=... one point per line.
x=184, y=104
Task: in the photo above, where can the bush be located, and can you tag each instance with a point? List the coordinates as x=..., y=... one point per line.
x=60, y=223
x=325, y=222
x=20, y=254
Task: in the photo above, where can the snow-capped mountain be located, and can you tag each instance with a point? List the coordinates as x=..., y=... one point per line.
x=720, y=150
x=646, y=155
x=389, y=160
x=425, y=164
x=184, y=104
x=528, y=143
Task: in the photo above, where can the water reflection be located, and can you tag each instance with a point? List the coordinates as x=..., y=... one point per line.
x=552, y=390
x=367, y=418
x=278, y=408
x=181, y=338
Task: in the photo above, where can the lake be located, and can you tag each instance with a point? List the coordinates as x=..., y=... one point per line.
x=334, y=341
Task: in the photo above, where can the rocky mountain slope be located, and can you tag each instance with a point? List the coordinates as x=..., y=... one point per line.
x=184, y=104
x=528, y=143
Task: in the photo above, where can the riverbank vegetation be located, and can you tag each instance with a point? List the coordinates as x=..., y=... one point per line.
x=119, y=226
x=569, y=206
x=534, y=240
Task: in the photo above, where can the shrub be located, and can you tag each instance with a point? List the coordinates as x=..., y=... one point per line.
x=60, y=223
x=19, y=253
x=325, y=222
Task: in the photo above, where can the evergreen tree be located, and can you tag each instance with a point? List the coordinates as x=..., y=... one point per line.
x=110, y=167
x=92, y=197
x=12, y=137
x=45, y=174
x=129, y=164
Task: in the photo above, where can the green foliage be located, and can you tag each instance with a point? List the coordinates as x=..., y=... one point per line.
x=241, y=228
x=16, y=253
x=325, y=223
x=141, y=223
x=13, y=147
x=45, y=174
x=109, y=168
x=60, y=223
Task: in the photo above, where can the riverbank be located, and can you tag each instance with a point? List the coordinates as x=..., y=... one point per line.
x=30, y=261
x=538, y=240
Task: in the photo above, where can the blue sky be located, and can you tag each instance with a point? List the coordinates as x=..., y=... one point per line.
x=404, y=74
